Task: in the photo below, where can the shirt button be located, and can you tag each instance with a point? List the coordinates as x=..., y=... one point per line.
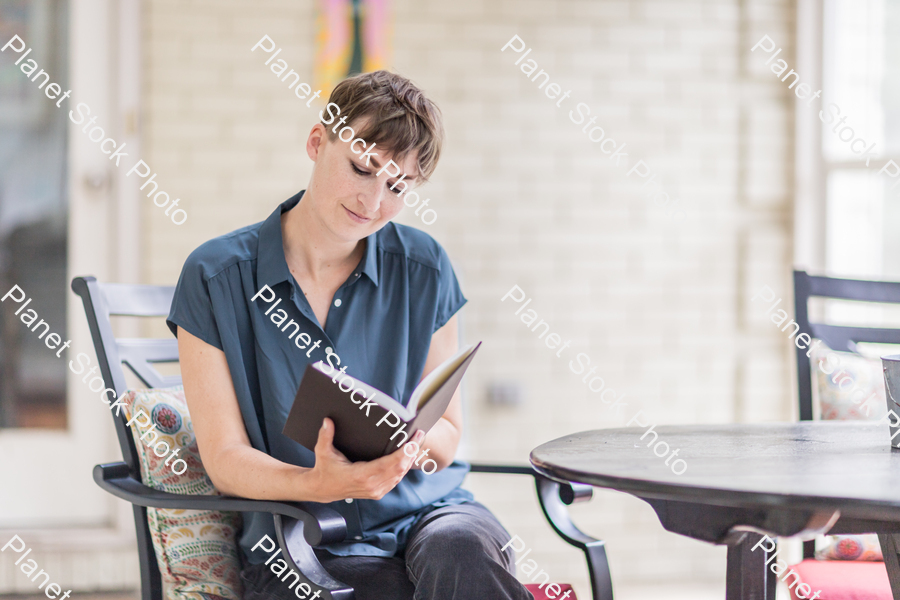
x=337, y=302
x=349, y=500
x=328, y=350
x=356, y=274
x=357, y=537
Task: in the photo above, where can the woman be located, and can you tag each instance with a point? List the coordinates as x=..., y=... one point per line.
x=376, y=298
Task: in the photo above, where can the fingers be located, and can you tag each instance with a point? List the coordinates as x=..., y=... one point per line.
x=385, y=473
x=401, y=455
x=417, y=440
x=370, y=480
x=326, y=436
x=326, y=433
x=405, y=461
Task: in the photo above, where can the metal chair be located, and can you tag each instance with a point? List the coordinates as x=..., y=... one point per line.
x=837, y=337
x=842, y=338
x=300, y=526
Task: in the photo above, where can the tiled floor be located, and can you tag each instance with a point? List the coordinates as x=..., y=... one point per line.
x=682, y=591
x=95, y=596
x=623, y=592
x=655, y=592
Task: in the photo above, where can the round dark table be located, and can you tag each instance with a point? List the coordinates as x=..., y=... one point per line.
x=742, y=480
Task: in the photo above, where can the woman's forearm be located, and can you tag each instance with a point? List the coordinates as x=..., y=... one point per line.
x=441, y=444
x=240, y=470
x=237, y=468
x=244, y=471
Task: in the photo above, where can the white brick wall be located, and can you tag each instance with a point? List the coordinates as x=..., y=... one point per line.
x=524, y=198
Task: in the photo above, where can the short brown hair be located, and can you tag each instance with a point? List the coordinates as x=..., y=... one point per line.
x=397, y=116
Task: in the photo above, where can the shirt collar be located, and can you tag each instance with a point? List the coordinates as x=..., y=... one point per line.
x=370, y=259
x=271, y=266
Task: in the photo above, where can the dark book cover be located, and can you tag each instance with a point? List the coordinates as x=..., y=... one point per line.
x=357, y=411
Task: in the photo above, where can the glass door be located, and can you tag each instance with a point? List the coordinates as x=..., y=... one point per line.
x=60, y=216
x=33, y=215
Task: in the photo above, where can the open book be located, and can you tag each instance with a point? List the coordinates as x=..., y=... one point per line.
x=368, y=423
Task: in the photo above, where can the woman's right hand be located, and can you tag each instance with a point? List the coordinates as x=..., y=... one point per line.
x=334, y=477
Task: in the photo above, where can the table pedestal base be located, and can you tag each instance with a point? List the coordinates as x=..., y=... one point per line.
x=890, y=547
x=743, y=581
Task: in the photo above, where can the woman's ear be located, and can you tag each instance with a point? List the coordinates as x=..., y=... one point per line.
x=315, y=141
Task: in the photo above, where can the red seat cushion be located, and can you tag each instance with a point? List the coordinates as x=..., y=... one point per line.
x=541, y=594
x=844, y=580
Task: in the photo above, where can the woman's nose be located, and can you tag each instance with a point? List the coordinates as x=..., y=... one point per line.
x=374, y=195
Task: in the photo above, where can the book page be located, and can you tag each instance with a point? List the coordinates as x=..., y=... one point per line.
x=428, y=386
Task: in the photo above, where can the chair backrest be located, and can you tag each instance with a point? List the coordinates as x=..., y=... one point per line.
x=837, y=337
x=102, y=301
x=105, y=300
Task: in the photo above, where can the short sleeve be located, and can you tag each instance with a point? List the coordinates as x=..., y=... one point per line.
x=450, y=297
x=192, y=307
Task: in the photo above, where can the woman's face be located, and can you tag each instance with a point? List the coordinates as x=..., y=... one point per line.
x=347, y=196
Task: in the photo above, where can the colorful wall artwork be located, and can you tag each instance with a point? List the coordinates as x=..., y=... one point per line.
x=352, y=37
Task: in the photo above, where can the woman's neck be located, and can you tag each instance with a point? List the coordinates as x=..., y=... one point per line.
x=312, y=252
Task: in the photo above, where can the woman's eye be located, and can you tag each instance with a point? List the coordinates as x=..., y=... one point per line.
x=397, y=191
x=358, y=170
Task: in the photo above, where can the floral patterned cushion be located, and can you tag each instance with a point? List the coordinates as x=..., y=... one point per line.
x=196, y=549
x=851, y=547
x=854, y=388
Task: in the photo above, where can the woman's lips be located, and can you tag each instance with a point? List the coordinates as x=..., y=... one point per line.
x=355, y=216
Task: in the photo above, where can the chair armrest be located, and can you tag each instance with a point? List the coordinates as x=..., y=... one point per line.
x=321, y=525
x=569, y=493
x=505, y=469
x=553, y=496
x=298, y=525
x=302, y=559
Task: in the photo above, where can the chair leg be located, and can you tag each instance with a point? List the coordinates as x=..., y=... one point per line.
x=598, y=569
x=809, y=549
x=890, y=545
x=151, y=580
x=748, y=578
x=594, y=549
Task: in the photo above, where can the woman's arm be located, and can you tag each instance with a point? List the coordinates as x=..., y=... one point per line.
x=443, y=439
x=238, y=469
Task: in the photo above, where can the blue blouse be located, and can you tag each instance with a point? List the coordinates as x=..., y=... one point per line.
x=379, y=325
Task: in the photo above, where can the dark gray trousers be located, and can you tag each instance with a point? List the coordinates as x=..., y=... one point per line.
x=453, y=554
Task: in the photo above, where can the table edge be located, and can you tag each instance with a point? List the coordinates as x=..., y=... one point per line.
x=694, y=494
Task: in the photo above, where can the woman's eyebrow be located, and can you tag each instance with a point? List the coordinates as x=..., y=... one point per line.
x=377, y=164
